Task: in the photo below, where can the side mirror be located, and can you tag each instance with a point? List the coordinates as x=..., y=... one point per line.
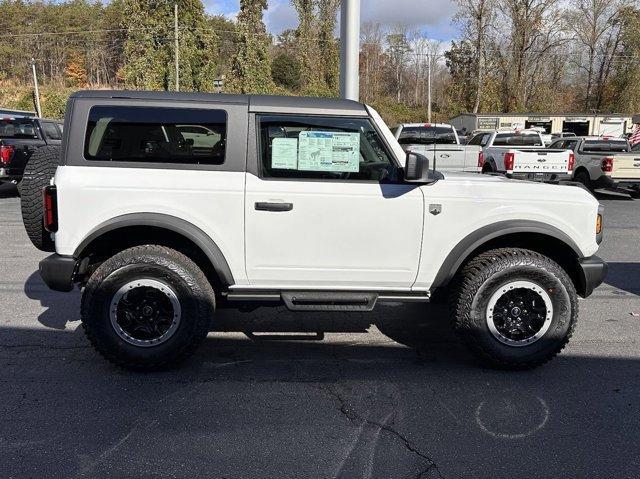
x=416, y=168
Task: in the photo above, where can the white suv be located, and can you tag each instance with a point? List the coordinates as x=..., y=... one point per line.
x=310, y=203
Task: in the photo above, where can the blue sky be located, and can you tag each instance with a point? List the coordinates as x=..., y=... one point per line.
x=432, y=17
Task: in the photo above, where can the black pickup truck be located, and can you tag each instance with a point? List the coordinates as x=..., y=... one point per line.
x=19, y=138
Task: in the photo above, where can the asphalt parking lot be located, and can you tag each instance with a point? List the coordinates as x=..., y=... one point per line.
x=360, y=404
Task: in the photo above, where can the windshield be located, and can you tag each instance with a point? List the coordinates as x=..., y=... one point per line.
x=427, y=135
x=21, y=128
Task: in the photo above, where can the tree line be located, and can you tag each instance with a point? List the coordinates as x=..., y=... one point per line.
x=511, y=55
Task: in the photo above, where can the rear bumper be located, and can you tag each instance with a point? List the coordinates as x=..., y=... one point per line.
x=57, y=272
x=593, y=271
x=541, y=177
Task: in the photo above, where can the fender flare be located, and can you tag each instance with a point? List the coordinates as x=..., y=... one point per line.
x=171, y=223
x=473, y=241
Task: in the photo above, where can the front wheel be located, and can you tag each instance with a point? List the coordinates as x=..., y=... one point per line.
x=147, y=307
x=514, y=308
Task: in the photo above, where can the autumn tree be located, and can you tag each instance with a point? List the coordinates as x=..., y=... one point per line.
x=476, y=17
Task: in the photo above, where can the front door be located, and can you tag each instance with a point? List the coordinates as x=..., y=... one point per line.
x=327, y=209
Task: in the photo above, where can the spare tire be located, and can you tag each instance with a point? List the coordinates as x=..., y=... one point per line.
x=37, y=174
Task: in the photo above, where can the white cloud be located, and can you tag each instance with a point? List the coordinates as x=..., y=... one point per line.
x=414, y=13
x=280, y=16
x=217, y=7
x=433, y=17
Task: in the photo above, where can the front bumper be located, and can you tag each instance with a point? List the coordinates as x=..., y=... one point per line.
x=593, y=271
x=58, y=271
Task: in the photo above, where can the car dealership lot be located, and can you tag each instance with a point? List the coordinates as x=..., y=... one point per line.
x=352, y=406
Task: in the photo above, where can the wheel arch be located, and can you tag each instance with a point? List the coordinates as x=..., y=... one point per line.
x=492, y=165
x=135, y=229
x=539, y=237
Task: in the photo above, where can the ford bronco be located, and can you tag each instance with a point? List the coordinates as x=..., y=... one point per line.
x=164, y=206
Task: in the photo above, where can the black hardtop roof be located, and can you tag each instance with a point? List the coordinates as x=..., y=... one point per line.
x=256, y=103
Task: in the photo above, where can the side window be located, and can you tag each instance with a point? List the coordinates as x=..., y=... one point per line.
x=307, y=147
x=570, y=145
x=51, y=131
x=476, y=140
x=156, y=135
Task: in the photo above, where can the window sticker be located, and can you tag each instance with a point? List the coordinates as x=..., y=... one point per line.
x=329, y=151
x=284, y=154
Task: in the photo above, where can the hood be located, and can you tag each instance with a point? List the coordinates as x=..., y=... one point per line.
x=476, y=177
x=488, y=185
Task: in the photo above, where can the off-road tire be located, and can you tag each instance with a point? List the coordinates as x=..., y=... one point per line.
x=37, y=174
x=487, y=273
x=192, y=288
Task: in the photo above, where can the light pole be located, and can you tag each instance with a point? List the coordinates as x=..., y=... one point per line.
x=176, y=45
x=429, y=60
x=350, y=50
x=36, y=90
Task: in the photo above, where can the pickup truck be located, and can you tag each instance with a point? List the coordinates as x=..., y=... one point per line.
x=306, y=203
x=522, y=154
x=440, y=143
x=19, y=138
x=603, y=162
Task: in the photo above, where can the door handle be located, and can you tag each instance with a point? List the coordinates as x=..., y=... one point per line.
x=274, y=206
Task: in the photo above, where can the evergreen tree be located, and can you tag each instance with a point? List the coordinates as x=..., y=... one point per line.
x=308, y=51
x=328, y=46
x=250, y=66
x=317, y=50
x=149, y=47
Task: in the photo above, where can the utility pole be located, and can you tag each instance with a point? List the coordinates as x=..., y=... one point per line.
x=350, y=50
x=429, y=59
x=36, y=91
x=176, y=45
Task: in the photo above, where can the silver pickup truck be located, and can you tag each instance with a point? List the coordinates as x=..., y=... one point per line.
x=440, y=143
x=603, y=162
x=522, y=154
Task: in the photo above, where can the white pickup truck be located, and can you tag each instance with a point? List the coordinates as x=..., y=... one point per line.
x=440, y=143
x=522, y=154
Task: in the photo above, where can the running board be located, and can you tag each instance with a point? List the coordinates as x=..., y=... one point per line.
x=327, y=300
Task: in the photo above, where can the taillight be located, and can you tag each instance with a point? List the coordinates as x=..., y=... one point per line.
x=572, y=161
x=607, y=165
x=509, y=160
x=50, y=208
x=6, y=154
x=480, y=159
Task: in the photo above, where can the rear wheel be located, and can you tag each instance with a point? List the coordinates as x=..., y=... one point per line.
x=583, y=177
x=487, y=168
x=148, y=307
x=514, y=308
x=37, y=174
